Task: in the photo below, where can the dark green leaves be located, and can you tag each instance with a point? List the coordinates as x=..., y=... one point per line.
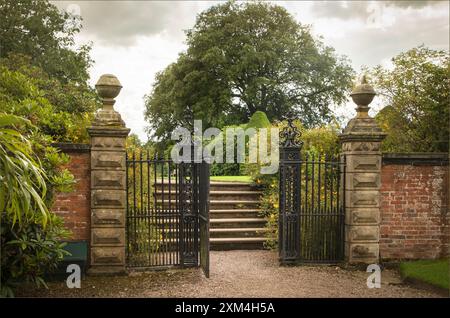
x=245, y=57
x=416, y=99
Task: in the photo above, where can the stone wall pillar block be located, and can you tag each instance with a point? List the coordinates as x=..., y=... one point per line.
x=361, y=147
x=108, y=189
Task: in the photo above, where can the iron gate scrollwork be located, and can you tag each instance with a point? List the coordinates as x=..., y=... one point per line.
x=167, y=205
x=311, y=212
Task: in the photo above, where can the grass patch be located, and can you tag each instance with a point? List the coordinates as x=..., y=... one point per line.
x=246, y=179
x=434, y=272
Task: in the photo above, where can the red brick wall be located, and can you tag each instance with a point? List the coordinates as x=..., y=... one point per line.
x=74, y=207
x=414, y=211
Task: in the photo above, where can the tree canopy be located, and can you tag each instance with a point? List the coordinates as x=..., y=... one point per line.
x=416, y=92
x=243, y=58
x=38, y=29
x=43, y=77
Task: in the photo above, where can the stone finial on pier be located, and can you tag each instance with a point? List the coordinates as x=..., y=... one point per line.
x=108, y=189
x=361, y=147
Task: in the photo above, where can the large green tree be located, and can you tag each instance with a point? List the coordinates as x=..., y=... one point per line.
x=38, y=29
x=416, y=94
x=37, y=41
x=245, y=57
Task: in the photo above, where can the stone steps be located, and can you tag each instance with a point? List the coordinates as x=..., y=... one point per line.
x=237, y=243
x=234, y=213
x=213, y=195
x=236, y=232
x=235, y=221
x=213, y=186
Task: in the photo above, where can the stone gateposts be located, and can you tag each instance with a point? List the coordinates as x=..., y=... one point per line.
x=361, y=142
x=108, y=189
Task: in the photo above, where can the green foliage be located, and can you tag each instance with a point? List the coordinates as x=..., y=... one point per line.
x=22, y=187
x=29, y=231
x=321, y=140
x=133, y=143
x=416, y=92
x=317, y=142
x=37, y=28
x=43, y=87
x=62, y=111
x=245, y=57
x=29, y=251
x=225, y=169
x=258, y=120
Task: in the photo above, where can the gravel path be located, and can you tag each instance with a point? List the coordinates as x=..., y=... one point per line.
x=238, y=274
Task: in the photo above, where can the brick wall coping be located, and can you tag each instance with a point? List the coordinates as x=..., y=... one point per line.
x=71, y=147
x=417, y=158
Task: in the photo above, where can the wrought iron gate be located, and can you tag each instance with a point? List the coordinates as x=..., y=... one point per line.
x=311, y=209
x=167, y=222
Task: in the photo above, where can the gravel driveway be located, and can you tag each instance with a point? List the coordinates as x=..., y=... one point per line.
x=238, y=274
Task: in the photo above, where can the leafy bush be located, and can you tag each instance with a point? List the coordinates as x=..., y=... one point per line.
x=30, y=233
x=258, y=120
x=415, y=97
x=316, y=141
x=46, y=98
x=29, y=93
x=29, y=251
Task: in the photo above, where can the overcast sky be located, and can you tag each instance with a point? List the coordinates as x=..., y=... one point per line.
x=135, y=39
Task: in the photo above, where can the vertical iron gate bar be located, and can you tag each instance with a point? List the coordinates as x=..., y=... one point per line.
x=127, y=229
x=300, y=202
x=169, y=215
x=320, y=219
x=181, y=211
x=342, y=212
x=148, y=214
x=306, y=212
x=155, y=224
x=177, y=218
x=161, y=217
x=196, y=209
x=204, y=217
x=313, y=212
x=140, y=212
x=135, y=247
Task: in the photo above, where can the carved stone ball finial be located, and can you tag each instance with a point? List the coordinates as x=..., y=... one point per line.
x=108, y=87
x=362, y=96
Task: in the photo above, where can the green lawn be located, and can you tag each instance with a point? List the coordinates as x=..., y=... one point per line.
x=246, y=179
x=434, y=272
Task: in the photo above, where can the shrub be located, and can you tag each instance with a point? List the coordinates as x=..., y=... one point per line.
x=316, y=141
x=30, y=233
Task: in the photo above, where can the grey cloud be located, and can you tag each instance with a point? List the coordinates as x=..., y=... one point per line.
x=121, y=22
x=359, y=9
x=413, y=3
x=369, y=46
